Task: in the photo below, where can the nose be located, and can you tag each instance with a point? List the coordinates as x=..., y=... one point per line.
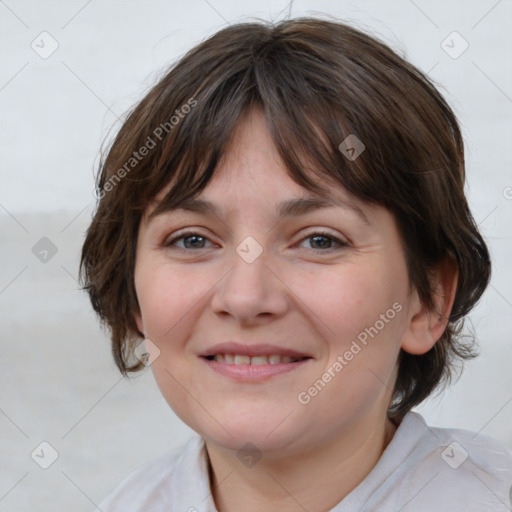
x=252, y=292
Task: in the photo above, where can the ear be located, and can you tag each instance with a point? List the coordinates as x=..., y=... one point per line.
x=426, y=326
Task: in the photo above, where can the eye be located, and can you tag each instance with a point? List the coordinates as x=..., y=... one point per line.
x=324, y=241
x=191, y=241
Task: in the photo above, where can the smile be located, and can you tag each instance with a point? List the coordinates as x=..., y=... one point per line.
x=251, y=369
x=241, y=359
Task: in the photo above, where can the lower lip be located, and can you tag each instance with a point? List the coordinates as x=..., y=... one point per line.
x=253, y=372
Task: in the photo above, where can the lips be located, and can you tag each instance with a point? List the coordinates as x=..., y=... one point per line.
x=253, y=363
x=243, y=351
x=253, y=360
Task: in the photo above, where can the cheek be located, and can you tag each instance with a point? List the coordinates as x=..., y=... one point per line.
x=169, y=300
x=352, y=298
x=167, y=297
x=363, y=312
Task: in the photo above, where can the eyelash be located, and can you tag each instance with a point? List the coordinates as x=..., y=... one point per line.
x=188, y=234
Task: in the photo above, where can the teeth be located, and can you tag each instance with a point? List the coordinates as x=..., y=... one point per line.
x=242, y=359
x=254, y=360
x=259, y=360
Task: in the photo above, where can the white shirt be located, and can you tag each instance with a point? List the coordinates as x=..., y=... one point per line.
x=422, y=469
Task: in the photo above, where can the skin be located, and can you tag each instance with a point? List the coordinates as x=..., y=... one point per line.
x=298, y=293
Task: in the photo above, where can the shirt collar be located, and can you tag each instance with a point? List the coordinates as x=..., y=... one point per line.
x=192, y=485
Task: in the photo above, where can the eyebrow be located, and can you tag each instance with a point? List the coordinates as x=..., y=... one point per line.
x=290, y=208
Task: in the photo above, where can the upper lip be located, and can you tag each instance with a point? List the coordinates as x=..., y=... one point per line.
x=259, y=349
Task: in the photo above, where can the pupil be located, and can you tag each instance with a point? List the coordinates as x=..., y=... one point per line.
x=326, y=240
x=194, y=238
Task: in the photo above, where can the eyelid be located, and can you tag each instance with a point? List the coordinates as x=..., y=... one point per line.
x=325, y=232
x=339, y=241
x=170, y=241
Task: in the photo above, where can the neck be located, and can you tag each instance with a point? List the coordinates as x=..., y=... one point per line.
x=314, y=480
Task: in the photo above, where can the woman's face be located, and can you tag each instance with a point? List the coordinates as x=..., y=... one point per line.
x=319, y=296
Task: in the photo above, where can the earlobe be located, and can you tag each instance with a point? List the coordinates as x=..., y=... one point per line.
x=427, y=326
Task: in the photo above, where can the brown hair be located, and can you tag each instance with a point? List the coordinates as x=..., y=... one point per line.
x=317, y=81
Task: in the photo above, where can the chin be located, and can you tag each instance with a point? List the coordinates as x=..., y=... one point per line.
x=268, y=434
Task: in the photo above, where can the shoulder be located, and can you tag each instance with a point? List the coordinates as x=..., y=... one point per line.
x=157, y=485
x=457, y=446
x=466, y=470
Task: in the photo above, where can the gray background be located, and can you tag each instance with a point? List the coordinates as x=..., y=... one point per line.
x=59, y=383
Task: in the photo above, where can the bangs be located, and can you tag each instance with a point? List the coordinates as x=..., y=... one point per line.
x=308, y=116
x=343, y=110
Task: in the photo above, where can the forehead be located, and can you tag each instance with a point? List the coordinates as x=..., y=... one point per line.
x=289, y=206
x=251, y=170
